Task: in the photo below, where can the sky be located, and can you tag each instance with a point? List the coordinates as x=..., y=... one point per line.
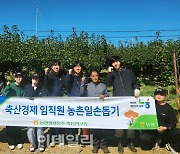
x=117, y=20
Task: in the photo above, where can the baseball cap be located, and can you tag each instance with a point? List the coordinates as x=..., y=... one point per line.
x=18, y=74
x=161, y=91
x=35, y=76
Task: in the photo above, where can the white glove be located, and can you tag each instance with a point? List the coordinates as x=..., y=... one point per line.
x=110, y=69
x=136, y=93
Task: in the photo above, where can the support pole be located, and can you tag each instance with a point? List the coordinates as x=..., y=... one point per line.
x=176, y=83
x=36, y=21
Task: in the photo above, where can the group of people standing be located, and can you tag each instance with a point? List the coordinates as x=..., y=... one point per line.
x=78, y=84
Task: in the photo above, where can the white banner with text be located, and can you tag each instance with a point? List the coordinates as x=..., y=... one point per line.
x=79, y=112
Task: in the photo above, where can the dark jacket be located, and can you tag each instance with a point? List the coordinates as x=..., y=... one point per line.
x=123, y=81
x=30, y=92
x=54, y=84
x=73, y=84
x=166, y=116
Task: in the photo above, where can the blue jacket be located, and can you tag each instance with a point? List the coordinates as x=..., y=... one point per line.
x=30, y=92
x=73, y=84
x=54, y=84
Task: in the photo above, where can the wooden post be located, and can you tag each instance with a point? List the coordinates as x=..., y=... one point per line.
x=176, y=83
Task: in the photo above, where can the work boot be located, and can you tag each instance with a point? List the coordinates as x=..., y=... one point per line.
x=120, y=148
x=105, y=149
x=104, y=146
x=95, y=150
x=131, y=147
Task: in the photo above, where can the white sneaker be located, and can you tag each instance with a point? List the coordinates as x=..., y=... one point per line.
x=73, y=144
x=41, y=149
x=32, y=149
x=12, y=147
x=61, y=144
x=52, y=144
x=169, y=148
x=82, y=145
x=20, y=146
x=157, y=147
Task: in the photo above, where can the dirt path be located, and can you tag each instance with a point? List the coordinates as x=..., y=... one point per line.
x=67, y=149
x=73, y=150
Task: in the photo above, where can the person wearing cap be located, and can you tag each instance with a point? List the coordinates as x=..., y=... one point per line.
x=166, y=134
x=73, y=81
x=54, y=82
x=14, y=88
x=124, y=83
x=14, y=132
x=35, y=90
